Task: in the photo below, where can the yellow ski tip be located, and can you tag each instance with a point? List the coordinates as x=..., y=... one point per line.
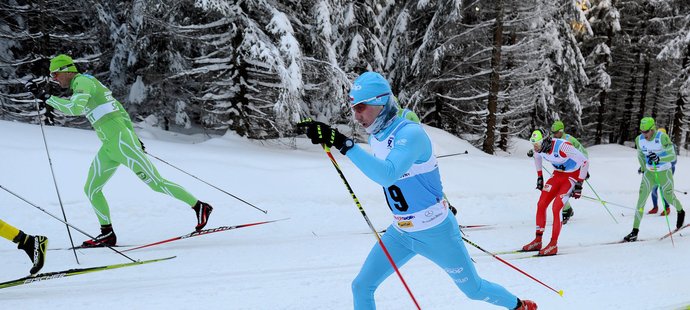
x=560, y=293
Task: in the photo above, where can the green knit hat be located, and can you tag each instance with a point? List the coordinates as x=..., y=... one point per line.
x=62, y=63
x=646, y=123
x=557, y=126
x=537, y=136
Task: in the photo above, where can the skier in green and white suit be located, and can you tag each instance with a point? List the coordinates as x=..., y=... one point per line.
x=121, y=146
x=558, y=131
x=655, y=153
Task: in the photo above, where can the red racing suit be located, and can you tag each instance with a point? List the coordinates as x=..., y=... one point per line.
x=569, y=166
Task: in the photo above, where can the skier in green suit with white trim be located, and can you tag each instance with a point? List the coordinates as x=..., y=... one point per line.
x=655, y=152
x=121, y=146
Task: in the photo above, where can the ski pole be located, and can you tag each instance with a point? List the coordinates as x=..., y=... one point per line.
x=682, y=192
x=64, y=222
x=209, y=184
x=602, y=202
x=366, y=218
x=559, y=292
x=50, y=163
x=454, y=154
x=663, y=202
x=607, y=202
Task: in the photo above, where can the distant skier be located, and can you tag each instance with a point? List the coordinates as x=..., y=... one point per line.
x=121, y=146
x=655, y=152
x=34, y=246
x=655, y=190
x=404, y=164
x=570, y=170
x=558, y=132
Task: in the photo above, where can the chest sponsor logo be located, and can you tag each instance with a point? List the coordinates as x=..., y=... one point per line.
x=403, y=218
x=405, y=224
x=389, y=143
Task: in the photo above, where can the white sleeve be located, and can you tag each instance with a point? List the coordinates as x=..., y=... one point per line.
x=537, y=163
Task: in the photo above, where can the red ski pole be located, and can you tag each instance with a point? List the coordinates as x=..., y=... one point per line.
x=366, y=218
x=559, y=292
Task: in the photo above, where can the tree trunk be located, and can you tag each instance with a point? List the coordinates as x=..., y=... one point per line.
x=678, y=116
x=600, y=118
x=627, y=110
x=495, y=78
x=643, y=91
x=657, y=94
x=603, y=95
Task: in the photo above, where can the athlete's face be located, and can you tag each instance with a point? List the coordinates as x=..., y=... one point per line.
x=558, y=134
x=63, y=78
x=649, y=134
x=366, y=114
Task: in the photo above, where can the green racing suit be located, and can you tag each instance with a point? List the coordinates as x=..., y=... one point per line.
x=121, y=146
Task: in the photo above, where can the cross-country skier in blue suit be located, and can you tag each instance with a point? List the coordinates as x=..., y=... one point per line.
x=403, y=163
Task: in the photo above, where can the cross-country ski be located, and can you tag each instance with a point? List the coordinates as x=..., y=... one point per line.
x=74, y=272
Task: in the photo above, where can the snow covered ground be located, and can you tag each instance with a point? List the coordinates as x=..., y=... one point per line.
x=309, y=261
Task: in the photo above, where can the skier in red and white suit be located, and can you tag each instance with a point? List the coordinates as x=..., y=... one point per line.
x=570, y=170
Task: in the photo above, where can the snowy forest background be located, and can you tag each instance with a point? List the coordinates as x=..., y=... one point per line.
x=485, y=70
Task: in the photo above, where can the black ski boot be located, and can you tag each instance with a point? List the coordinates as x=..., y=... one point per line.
x=203, y=211
x=632, y=236
x=35, y=247
x=680, y=219
x=106, y=238
x=567, y=214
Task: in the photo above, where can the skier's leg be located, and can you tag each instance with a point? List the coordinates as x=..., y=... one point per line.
x=100, y=171
x=563, y=189
x=443, y=245
x=8, y=231
x=130, y=154
x=645, y=187
x=377, y=267
x=655, y=196
x=667, y=186
x=548, y=194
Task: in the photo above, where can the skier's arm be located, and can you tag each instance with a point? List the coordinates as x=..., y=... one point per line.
x=537, y=163
x=411, y=144
x=640, y=155
x=75, y=104
x=572, y=153
x=668, y=154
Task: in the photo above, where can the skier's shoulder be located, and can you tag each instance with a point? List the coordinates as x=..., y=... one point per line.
x=83, y=82
x=408, y=114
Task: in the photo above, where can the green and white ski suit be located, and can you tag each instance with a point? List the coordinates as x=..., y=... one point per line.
x=660, y=173
x=121, y=146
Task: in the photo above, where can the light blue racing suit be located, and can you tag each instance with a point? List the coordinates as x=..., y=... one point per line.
x=404, y=164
